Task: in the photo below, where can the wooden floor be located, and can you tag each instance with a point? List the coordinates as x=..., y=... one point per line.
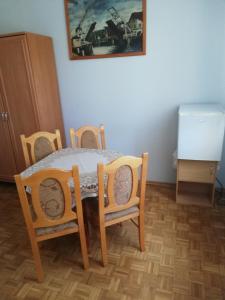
x=184, y=257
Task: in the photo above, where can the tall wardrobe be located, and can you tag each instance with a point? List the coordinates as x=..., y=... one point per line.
x=29, y=95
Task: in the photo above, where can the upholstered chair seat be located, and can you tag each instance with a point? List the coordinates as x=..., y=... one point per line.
x=56, y=228
x=121, y=213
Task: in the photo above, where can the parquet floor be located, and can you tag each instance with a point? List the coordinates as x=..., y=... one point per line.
x=184, y=257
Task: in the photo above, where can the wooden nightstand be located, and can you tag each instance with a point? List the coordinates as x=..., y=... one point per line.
x=196, y=182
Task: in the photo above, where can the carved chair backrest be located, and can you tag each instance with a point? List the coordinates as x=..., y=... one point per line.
x=39, y=145
x=119, y=180
x=88, y=137
x=51, y=201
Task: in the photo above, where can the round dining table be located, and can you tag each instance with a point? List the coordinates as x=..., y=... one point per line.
x=86, y=160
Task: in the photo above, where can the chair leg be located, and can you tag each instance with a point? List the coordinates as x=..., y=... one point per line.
x=86, y=225
x=37, y=260
x=83, y=245
x=103, y=245
x=141, y=232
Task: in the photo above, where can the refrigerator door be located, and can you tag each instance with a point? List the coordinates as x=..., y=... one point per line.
x=201, y=132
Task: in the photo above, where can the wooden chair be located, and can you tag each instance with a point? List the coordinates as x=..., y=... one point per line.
x=49, y=214
x=88, y=137
x=39, y=145
x=121, y=202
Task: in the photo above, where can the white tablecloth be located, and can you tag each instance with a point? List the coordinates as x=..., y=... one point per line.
x=85, y=159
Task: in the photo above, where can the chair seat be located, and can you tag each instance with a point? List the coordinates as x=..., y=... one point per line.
x=121, y=213
x=53, y=229
x=93, y=205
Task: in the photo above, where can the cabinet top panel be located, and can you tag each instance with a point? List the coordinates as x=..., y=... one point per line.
x=19, y=33
x=12, y=34
x=203, y=109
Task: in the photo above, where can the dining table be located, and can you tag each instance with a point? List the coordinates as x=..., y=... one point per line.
x=86, y=160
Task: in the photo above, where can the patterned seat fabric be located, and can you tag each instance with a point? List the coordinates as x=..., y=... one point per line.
x=122, y=192
x=52, y=229
x=88, y=140
x=121, y=213
x=53, y=205
x=42, y=148
x=52, y=199
x=123, y=185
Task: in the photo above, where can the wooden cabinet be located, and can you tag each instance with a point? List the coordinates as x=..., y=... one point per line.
x=29, y=96
x=196, y=182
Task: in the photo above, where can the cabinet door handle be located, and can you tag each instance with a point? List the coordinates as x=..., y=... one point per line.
x=6, y=116
x=211, y=171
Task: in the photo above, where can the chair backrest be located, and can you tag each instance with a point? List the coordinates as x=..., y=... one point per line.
x=119, y=181
x=39, y=145
x=88, y=137
x=51, y=199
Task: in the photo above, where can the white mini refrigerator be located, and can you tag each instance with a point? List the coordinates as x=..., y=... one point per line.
x=200, y=132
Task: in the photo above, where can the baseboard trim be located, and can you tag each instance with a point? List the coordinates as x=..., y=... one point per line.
x=168, y=185
x=7, y=179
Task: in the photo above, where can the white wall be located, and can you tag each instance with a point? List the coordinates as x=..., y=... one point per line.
x=137, y=97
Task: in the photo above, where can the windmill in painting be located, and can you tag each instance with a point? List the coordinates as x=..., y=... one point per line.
x=105, y=28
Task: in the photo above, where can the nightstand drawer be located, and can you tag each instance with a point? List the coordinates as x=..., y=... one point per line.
x=196, y=171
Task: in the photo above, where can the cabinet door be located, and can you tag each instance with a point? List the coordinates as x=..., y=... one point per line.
x=7, y=161
x=197, y=171
x=45, y=81
x=18, y=92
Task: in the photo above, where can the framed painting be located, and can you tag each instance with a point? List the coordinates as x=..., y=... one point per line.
x=105, y=28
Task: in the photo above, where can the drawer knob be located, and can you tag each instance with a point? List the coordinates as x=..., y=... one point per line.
x=211, y=171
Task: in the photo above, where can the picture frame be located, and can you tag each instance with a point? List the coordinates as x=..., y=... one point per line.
x=105, y=28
